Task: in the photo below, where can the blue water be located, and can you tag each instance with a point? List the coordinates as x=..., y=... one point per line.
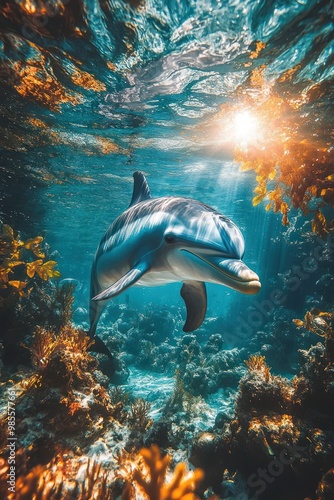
x=94, y=92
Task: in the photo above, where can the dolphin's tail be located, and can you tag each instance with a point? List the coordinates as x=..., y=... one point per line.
x=100, y=347
x=95, y=310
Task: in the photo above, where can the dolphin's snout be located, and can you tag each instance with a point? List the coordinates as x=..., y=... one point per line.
x=245, y=280
x=237, y=269
x=237, y=274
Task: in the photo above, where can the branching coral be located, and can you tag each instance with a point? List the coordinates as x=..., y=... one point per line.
x=139, y=414
x=53, y=482
x=62, y=359
x=257, y=363
x=94, y=485
x=154, y=486
x=56, y=481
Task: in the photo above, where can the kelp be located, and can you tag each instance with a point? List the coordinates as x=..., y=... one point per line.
x=282, y=131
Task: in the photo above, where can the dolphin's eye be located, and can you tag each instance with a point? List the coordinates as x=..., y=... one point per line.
x=169, y=238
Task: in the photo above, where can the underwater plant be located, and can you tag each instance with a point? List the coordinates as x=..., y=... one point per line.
x=180, y=399
x=287, y=142
x=153, y=482
x=28, y=295
x=294, y=162
x=19, y=268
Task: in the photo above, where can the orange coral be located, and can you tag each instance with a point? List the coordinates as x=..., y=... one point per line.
x=257, y=363
x=155, y=488
x=51, y=482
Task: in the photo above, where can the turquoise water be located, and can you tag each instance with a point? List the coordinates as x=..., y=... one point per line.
x=201, y=96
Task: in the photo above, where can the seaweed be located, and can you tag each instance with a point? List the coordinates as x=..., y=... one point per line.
x=19, y=268
x=28, y=296
x=290, y=146
x=180, y=399
x=294, y=163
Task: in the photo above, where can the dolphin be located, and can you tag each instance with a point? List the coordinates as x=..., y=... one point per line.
x=164, y=240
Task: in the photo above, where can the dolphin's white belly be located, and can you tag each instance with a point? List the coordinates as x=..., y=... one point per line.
x=158, y=278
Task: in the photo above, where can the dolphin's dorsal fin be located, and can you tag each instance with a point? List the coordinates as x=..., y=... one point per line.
x=194, y=296
x=141, y=191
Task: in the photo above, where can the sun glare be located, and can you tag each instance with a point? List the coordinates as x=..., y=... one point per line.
x=245, y=128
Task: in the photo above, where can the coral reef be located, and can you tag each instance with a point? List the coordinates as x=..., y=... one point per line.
x=151, y=345
x=62, y=397
x=57, y=481
x=282, y=435
x=64, y=479
x=155, y=488
x=265, y=440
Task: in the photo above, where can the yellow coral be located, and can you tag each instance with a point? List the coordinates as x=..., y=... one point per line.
x=155, y=488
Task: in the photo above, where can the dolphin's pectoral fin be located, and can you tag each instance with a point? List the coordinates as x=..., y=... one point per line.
x=123, y=283
x=141, y=191
x=194, y=296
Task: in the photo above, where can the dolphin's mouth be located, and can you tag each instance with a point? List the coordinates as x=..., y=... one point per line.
x=236, y=274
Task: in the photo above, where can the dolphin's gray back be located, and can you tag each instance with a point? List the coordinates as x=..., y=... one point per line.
x=180, y=208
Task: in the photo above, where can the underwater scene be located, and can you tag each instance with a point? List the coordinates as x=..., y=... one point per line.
x=166, y=249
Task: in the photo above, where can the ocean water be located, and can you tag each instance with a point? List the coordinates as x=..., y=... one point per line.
x=207, y=99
